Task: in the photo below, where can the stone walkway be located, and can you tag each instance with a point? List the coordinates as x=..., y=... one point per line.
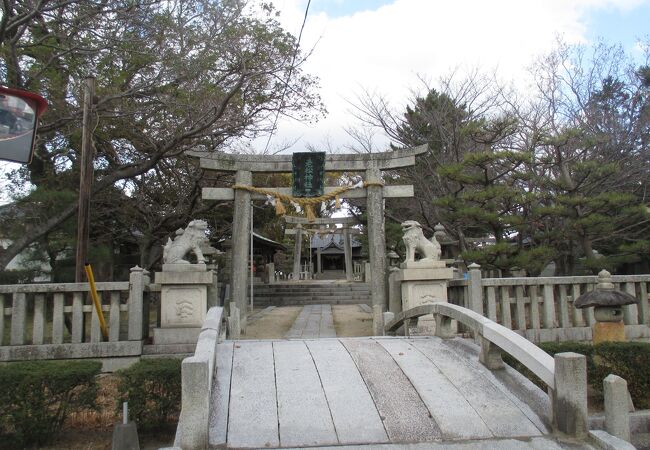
x=314, y=321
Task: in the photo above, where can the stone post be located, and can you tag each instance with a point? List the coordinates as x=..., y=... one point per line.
x=475, y=289
x=240, y=245
x=213, y=291
x=490, y=355
x=234, y=327
x=195, y=401
x=445, y=328
x=347, y=251
x=570, y=396
x=270, y=273
x=136, y=304
x=319, y=260
x=18, y=318
x=376, y=239
x=296, y=252
x=617, y=419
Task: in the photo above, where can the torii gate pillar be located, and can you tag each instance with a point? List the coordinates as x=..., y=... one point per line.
x=241, y=229
x=376, y=242
x=297, y=249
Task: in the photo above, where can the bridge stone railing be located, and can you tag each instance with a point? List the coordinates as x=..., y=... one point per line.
x=565, y=375
x=197, y=373
x=59, y=321
x=541, y=308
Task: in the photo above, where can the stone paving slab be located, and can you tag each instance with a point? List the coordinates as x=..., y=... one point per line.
x=253, y=413
x=503, y=417
x=406, y=418
x=540, y=443
x=449, y=408
x=350, y=403
x=314, y=321
x=303, y=413
x=389, y=390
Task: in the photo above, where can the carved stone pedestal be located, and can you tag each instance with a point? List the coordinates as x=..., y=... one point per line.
x=423, y=282
x=183, y=302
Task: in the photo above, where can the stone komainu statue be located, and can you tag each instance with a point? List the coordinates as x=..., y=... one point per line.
x=415, y=242
x=189, y=239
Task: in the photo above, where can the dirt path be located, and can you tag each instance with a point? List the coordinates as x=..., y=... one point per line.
x=273, y=324
x=349, y=321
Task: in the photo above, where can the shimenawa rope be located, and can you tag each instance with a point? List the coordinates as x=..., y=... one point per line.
x=305, y=202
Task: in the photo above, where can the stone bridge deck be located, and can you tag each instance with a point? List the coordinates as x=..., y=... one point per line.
x=332, y=392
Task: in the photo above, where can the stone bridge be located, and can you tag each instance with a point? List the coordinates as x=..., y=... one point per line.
x=384, y=392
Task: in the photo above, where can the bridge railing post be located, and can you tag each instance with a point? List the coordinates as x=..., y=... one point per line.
x=195, y=404
x=617, y=418
x=490, y=355
x=569, y=398
x=445, y=328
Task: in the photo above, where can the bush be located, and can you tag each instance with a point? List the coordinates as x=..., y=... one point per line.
x=628, y=360
x=36, y=397
x=153, y=389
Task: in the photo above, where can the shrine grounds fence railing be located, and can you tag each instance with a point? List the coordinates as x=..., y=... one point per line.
x=59, y=321
x=541, y=308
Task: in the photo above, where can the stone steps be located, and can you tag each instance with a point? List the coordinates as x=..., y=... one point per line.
x=311, y=293
x=302, y=302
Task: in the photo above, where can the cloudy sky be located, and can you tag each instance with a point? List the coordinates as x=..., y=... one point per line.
x=384, y=46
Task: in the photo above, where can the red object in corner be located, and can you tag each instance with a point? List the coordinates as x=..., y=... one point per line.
x=40, y=102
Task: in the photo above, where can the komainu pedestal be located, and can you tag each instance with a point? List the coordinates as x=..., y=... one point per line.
x=183, y=302
x=422, y=283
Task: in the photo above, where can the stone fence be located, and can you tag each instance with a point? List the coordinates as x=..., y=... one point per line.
x=59, y=321
x=541, y=308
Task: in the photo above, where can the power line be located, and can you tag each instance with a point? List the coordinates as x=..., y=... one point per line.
x=286, y=83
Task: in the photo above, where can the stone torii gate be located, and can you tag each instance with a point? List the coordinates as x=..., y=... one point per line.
x=301, y=222
x=371, y=164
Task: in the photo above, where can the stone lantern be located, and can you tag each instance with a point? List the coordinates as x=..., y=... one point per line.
x=393, y=258
x=608, y=309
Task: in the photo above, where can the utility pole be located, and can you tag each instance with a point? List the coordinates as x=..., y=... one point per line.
x=85, y=180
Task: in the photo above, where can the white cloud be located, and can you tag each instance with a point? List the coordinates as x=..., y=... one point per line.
x=387, y=48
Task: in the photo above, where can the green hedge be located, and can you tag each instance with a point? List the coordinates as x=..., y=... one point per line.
x=153, y=389
x=36, y=397
x=628, y=360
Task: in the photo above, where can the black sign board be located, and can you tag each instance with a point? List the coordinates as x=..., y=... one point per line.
x=308, y=174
